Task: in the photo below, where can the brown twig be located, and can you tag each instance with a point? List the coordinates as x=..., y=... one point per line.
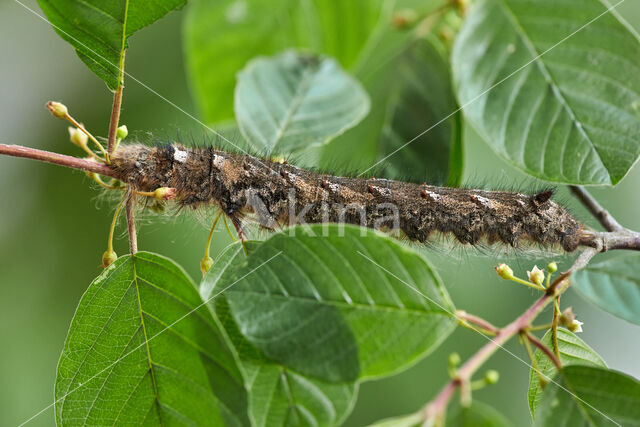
x=601, y=214
x=56, y=159
x=131, y=222
x=436, y=408
x=543, y=348
x=115, y=118
x=478, y=321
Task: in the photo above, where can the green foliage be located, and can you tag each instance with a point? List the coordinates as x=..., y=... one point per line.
x=613, y=285
x=334, y=313
x=222, y=36
x=570, y=113
x=410, y=88
x=329, y=327
x=476, y=415
x=98, y=31
x=590, y=396
x=573, y=351
x=277, y=394
x=293, y=101
x=142, y=348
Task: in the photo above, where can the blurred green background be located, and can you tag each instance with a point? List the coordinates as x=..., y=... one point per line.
x=53, y=226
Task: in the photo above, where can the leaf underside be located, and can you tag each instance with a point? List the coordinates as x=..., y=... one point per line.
x=552, y=86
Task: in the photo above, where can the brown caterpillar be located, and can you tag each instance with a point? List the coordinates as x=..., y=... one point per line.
x=284, y=194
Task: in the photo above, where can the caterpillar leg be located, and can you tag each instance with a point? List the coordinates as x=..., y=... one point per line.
x=241, y=234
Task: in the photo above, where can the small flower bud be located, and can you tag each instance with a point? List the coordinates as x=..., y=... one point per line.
x=567, y=317
x=78, y=137
x=491, y=376
x=108, y=258
x=504, y=271
x=552, y=267
x=575, y=326
x=569, y=321
x=57, y=109
x=454, y=360
x=205, y=265
x=122, y=132
x=164, y=193
x=536, y=275
x=404, y=18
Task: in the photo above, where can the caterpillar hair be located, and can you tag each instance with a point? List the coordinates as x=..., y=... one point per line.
x=283, y=194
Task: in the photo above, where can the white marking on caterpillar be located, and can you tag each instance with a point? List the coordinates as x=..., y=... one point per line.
x=334, y=187
x=218, y=161
x=382, y=191
x=179, y=155
x=433, y=196
x=484, y=201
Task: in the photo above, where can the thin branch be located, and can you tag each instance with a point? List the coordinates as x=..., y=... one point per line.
x=56, y=159
x=115, y=118
x=543, y=348
x=131, y=222
x=436, y=408
x=478, y=321
x=601, y=214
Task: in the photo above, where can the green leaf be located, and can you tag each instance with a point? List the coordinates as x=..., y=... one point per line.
x=590, y=396
x=277, y=394
x=409, y=84
x=476, y=415
x=411, y=420
x=98, y=30
x=551, y=86
x=334, y=314
x=573, y=351
x=142, y=348
x=222, y=36
x=294, y=100
x=613, y=285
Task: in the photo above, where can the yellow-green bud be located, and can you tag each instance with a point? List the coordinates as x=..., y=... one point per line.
x=552, y=267
x=504, y=271
x=575, y=326
x=164, y=193
x=205, y=264
x=536, y=275
x=491, y=376
x=57, y=109
x=567, y=317
x=568, y=320
x=78, y=137
x=108, y=258
x=122, y=132
x=454, y=360
x=404, y=18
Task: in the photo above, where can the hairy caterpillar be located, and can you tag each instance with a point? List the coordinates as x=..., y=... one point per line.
x=279, y=193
